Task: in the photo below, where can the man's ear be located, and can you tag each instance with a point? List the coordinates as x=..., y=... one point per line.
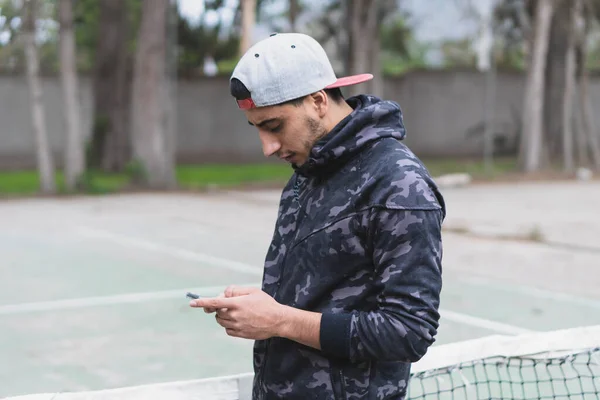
x=320, y=102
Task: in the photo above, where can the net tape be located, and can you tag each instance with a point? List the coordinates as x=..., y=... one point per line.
x=562, y=364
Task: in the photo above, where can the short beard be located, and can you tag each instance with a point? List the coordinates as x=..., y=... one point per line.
x=317, y=131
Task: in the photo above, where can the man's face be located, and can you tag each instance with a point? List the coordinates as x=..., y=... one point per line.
x=288, y=131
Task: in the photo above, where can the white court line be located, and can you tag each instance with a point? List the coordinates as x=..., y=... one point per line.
x=495, y=326
x=171, y=251
x=245, y=268
x=84, y=302
x=532, y=292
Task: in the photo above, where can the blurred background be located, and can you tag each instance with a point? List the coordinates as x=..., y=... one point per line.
x=128, y=175
x=494, y=88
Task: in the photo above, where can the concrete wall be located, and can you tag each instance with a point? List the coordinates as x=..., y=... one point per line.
x=440, y=109
x=210, y=127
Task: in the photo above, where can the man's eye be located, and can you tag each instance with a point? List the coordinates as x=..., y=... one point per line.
x=276, y=128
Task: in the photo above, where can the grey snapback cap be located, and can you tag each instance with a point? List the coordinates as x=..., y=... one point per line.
x=286, y=66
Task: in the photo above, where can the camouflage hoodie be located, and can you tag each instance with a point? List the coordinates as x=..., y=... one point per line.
x=358, y=238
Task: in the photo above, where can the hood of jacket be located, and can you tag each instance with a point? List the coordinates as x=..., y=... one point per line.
x=372, y=119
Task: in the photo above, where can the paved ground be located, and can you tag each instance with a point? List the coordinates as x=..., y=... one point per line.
x=92, y=289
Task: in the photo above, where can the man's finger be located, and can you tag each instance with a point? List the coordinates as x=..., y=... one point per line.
x=209, y=310
x=234, y=291
x=234, y=333
x=223, y=313
x=230, y=290
x=238, y=333
x=225, y=323
x=214, y=302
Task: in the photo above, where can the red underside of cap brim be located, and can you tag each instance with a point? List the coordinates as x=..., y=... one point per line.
x=350, y=80
x=248, y=104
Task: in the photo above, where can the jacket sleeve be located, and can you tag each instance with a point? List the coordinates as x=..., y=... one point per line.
x=407, y=253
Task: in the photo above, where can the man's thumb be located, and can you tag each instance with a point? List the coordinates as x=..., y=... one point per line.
x=234, y=291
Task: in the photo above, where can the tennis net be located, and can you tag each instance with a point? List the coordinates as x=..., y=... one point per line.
x=563, y=364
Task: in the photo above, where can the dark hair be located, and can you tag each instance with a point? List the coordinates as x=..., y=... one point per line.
x=240, y=92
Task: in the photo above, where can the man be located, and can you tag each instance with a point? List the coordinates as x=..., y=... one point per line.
x=352, y=278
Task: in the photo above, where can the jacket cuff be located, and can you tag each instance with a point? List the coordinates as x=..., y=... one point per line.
x=335, y=334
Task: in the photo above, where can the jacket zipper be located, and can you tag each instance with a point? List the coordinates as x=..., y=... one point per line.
x=342, y=386
x=300, y=208
x=337, y=383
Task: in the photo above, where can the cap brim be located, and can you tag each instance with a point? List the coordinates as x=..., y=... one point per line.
x=350, y=80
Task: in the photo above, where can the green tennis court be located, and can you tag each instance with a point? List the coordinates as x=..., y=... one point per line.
x=92, y=290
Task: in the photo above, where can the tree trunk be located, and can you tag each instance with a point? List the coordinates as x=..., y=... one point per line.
x=593, y=135
x=364, y=48
x=150, y=110
x=293, y=14
x=171, y=83
x=43, y=152
x=377, y=85
x=580, y=131
x=248, y=22
x=569, y=77
x=588, y=136
x=532, y=139
x=489, y=112
x=345, y=40
x=74, y=152
x=556, y=79
x=110, y=149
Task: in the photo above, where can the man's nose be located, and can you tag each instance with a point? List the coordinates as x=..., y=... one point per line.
x=270, y=144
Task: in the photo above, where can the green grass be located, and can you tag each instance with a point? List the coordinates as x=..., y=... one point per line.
x=19, y=183
x=28, y=182
x=476, y=168
x=194, y=177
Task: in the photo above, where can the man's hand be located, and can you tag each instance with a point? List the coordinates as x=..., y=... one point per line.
x=210, y=310
x=247, y=313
